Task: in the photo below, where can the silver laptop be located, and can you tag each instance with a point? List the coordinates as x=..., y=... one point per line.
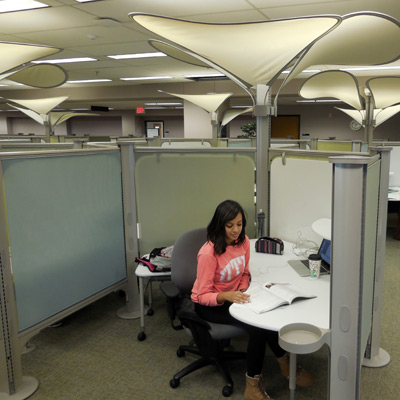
x=302, y=268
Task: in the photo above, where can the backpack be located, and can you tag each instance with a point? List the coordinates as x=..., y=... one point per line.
x=159, y=259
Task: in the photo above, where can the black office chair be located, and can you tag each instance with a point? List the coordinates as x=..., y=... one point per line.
x=209, y=339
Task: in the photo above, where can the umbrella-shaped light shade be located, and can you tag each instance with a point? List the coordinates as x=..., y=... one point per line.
x=58, y=117
x=40, y=106
x=358, y=115
x=249, y=53
x=32, y=114
x=364, y=38
x=381, y=116
x=232, y=113
x=40, y=75
x=208, y=102
x=385, y=91
x=14, y=54
x=177, y=53
x=337, y=84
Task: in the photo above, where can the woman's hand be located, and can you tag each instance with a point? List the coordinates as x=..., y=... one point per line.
x=233, y=297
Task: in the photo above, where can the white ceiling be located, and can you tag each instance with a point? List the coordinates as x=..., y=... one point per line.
x=85, y=29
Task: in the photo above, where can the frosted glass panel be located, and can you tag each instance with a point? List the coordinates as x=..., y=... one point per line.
x=179, y=192
x=66, y=230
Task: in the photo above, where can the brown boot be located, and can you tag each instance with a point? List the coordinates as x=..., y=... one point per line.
x=254, y=389
x=303, y=378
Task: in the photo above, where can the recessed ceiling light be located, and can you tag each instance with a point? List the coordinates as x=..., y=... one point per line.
x=371, y=68
x=204, y=76
x=309, y=71
x=66, y=60
x=137, y=55
x=162, y=104
x=12, y=5
x=144, y=78
x=85, y=1
x=90, y=81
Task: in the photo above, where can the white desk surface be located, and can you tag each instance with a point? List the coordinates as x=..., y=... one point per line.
x=274, y=268
x=394, y=193
x=143, y=272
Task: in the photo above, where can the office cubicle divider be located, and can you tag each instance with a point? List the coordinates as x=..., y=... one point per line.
x=61, y=241
x=179, y=189
x=294, y=179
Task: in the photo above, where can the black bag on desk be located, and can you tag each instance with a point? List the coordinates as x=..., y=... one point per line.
x=269, y=245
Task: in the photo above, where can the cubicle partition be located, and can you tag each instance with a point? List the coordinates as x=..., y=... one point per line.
x=179, y=189
x=62, y=244
x=351, y=190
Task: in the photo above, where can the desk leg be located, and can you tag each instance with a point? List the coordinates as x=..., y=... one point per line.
x=292, y=375
x=142, y=334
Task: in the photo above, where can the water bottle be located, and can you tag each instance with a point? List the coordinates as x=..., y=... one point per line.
x=261, y=224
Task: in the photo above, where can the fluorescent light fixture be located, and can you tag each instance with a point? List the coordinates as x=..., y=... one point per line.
x=85, y=1
x=65, y=60
x=320, y=101
x=307, y=71
x=375, y=68
x=155, y=108
x=241, y=107
x=91, y=81
x=145, y=78
x=162, y=104
x=13, y=5
x=137, y=55
x=204, y=76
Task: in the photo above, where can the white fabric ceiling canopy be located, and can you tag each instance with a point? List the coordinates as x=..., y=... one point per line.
x=208, y=102
x=40, y=106
x=337, y=84
x=364, y=38
x=38, y=75
x=385, y=91
x=58, y=117
x=175, y=52
x=232, y=113
x=357, y=115
x=249, y=53
x=379, y=115
x=15, y=54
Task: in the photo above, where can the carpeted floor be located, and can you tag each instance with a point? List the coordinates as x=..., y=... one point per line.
x=95, y=355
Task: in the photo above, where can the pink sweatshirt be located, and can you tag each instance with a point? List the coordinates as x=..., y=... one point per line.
x=220, y=273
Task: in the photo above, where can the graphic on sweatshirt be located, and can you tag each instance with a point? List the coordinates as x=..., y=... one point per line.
x=233, y=269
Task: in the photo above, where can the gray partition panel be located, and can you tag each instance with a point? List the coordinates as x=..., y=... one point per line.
x=177, y=192
x=65, y=222
x=368, y=271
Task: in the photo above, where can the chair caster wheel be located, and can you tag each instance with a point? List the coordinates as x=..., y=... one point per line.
x=180, y=353
x=227, y=391
x=150, y=312
x=174, y=383
x=141, y=336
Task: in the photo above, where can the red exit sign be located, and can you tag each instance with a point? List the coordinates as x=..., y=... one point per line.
x=139, y=110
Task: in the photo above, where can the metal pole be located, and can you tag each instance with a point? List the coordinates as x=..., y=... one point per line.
x=262, y=112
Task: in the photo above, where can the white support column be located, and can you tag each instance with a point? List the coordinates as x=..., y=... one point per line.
x=262, y=112
x=132, y=308
x=354, y=218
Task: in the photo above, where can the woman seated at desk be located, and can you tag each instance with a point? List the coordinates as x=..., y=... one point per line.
x=222, y=277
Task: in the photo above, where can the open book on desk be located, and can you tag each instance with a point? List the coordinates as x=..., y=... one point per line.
x=269, y=296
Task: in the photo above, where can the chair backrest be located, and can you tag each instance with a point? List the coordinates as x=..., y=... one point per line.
x=184, y=258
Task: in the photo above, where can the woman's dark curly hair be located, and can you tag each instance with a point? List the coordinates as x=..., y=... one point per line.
x=225, y=212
